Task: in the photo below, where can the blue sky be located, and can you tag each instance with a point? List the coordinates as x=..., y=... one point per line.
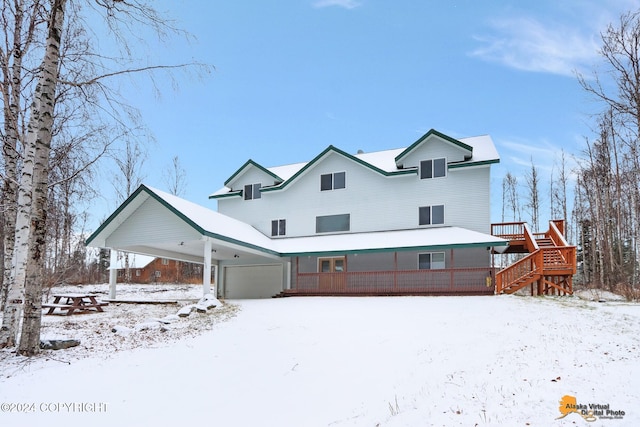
x=294, y=76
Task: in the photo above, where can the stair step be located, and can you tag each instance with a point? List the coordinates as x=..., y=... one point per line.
x=545, y=243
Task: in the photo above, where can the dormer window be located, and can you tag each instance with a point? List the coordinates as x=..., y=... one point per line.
x=333, y=181
x=252, y=191
x=434, y=168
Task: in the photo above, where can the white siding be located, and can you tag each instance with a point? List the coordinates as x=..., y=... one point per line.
x=434, y=148
x=374, y=201
x=252, y=175
x=151, y=223
x=252, y=281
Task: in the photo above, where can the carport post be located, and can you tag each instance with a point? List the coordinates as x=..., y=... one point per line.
x=113, y=273
x=206, y=274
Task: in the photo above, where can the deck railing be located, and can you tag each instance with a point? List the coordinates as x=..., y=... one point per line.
x=441, y=281
x=508, y=230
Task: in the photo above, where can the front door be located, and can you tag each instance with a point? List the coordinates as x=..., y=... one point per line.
x=331, y=272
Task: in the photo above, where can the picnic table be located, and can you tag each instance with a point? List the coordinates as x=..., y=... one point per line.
x=74, y=302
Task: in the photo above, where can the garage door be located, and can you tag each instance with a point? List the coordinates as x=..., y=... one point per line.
x=252, y=281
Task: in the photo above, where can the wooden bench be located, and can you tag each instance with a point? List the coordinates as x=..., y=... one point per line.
x=74, y=302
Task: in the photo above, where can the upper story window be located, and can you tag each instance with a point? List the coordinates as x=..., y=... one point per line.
x=278, y=227
x=431, y=215
x=332, y=223
x=165, y=261
x=435, y=168
x=333, y=181
x=252, y=191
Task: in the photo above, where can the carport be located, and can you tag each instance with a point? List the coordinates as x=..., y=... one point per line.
x=152, y=222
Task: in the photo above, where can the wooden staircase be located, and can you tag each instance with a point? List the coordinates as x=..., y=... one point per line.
x=548, y=266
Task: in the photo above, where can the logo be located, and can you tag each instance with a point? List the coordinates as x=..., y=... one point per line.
x=590, y=412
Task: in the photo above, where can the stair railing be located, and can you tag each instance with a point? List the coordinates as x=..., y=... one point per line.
x=556, y=236
x=528, y=267
x=529, y=239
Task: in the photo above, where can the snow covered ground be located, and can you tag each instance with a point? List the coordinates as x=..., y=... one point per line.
x=402, y=361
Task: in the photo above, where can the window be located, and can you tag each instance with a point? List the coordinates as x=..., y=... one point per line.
x=329, y=223
x=252, y=191
x=431, y=215
x=435, y=168
x=157, y=273
x=431, y=261
x=165, y=261
x=279, y=227
x=333, y=181
x=138, y=273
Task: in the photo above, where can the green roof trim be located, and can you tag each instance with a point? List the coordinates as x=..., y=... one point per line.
x=228, y=195
x=180, y=215
x=333, y=149
x=241, y=243
x=199, y=229
x=398, y=249
x=116, y=213
x=256, y=165
x=145, y=189
x=427, y=135
x=468, y=164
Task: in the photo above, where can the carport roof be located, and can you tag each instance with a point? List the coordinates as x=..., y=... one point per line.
x=227, y=231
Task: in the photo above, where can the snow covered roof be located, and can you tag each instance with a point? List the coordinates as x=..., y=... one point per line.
x=384, y=241
x=230, y=235
x=387, y=162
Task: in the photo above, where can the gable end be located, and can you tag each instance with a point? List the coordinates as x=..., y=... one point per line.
x=248, y=164
x=424, y=137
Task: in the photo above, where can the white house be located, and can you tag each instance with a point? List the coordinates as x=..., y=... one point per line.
x=413, y=220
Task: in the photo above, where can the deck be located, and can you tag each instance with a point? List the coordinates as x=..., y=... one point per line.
x=548, y=264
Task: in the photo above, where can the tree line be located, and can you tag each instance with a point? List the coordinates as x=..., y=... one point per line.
x=62, y=117
x=603, y=183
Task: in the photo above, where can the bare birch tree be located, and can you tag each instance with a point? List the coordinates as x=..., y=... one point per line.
x=21, y=21
x=39, y=135
x=50, y=83
x=34, y=170
x=610, y=172
x=510, y=196
x=176, y=177
x=558, y=192
x=533, y=195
